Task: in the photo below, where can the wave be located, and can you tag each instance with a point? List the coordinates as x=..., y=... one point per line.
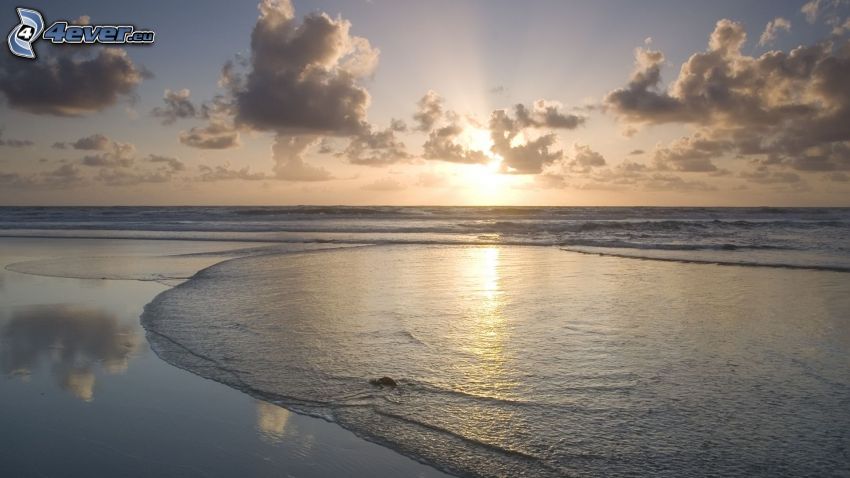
x=708, y=261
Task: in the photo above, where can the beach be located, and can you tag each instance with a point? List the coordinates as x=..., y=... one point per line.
x=211, y=348
x=80, y=385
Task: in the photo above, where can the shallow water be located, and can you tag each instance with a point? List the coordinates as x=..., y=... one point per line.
x=82, y=395
x=533, y=361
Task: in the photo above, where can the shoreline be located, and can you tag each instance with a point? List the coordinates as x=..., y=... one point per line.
x=386, y=459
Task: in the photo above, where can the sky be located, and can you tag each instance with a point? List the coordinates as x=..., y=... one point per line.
x=724, y=103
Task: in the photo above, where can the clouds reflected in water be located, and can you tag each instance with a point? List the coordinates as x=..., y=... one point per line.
x=71, y=340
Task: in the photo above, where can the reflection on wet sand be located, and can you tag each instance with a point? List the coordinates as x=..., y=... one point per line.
x=271, y=421
x=71, y=340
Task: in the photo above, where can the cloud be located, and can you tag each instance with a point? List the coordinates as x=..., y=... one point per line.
x=128, y=177
x=376, y=148
x=429, y=111
x=64, y=176
x=117, y=164
x=218, y=133
x=442, y=144
x=636, y=152
x=545, y=114
x=177, y=106
x=585, y=158
x=398, y=125
x=288, y=152
x=167, y=162
x=384, y=184
x=669, y=182
x=763, y=175
x=522, y=153
x=301, y=78
x=14, y=143
x=691, y=154
x=772, y=29
x=780, y=105
x=224, y=173
x=211, y=136
x=811, y=10
x=94, y=142
x=839, y=28
x=69, y=83
x=838, y=177
x=627, y=175
x=70, y=341
x=111, y=153
x=641, y=100
x=517, y=140
x=830, y=157
x=106, y=160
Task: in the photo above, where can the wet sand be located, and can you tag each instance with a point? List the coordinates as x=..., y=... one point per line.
x=83, y=394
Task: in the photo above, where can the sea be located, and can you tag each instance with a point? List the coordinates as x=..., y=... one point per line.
x=524, y=341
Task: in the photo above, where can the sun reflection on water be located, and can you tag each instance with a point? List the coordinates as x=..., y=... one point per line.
x=486, y=326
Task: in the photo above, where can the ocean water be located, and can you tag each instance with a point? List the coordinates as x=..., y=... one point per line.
x=525, y=341
x=796, y=237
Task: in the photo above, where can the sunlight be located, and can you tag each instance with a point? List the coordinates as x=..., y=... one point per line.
x=478, y=139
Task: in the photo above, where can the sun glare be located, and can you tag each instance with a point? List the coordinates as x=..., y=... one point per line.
x=486, y=183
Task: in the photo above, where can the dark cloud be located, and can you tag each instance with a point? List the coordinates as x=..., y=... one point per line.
x=586, y=158
x=301, y=78
x=398, y=125
x=167, y=162
x=211, y=136
x=627, y=175
x=219, y=132
x=763, y=175
x=116, y=163
x=522, y=152
x=131, y=177
x=636, y=152
x=288, y=152
x=670, y=182
x=528, y=152
x=838, y=177
x=442, y=145
x=112, y=153
x=224, y=173
x=107, y=161
x=95, y=142
x=790, y=109
x=64, y=176
x=177, y=106
x=14, y=143
x=152, y=169
x=545, y=114
x=429, y=111
x=530, y=157
x=829, y=157
x=691, y=154
x=69, y=83
x=376, y=148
